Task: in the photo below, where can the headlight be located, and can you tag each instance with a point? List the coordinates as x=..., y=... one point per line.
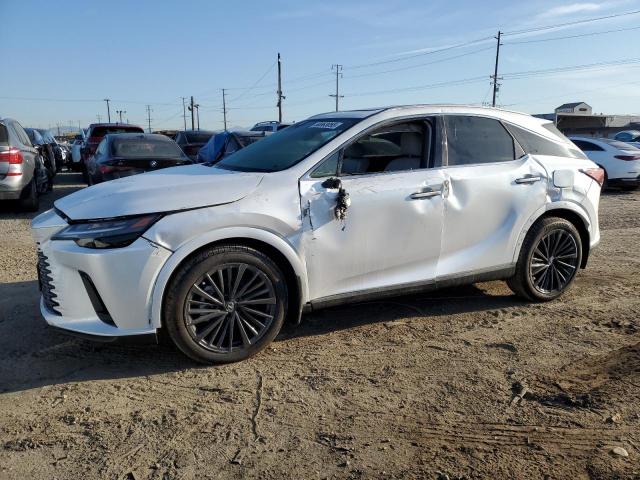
x=114, y=233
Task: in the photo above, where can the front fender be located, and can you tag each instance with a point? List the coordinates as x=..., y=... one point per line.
x=252, y=233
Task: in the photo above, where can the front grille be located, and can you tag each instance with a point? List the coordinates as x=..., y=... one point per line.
x=46, y=285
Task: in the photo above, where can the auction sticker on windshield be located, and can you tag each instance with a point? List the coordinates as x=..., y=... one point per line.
x=329, y=125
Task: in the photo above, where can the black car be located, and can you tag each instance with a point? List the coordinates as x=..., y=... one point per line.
x=191, y=141
x=46, y=150
x=58, y=155
x=40, y=145
x=125, y=154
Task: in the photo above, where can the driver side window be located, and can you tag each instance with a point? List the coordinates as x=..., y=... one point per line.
x=392, y=148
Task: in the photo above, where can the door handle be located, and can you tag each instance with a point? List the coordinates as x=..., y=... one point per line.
x=528, y=179
x=421, y=195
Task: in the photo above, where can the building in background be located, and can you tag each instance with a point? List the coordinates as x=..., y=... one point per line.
x=577, y=118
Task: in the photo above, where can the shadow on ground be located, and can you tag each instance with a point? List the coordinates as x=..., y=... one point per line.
x=33, y=355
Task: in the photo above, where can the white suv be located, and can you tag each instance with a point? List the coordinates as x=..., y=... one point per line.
x=337, y=208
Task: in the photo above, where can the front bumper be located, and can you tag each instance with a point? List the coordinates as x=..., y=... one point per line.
x=121, y=278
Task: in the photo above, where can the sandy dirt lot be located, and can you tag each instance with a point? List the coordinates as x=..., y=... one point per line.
x=414, y=387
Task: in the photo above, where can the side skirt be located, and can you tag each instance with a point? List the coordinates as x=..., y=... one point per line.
x=466, y=278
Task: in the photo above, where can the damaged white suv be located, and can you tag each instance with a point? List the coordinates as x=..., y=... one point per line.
x=337, y=208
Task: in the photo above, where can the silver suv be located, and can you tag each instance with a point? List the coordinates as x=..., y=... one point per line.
x=23, y=175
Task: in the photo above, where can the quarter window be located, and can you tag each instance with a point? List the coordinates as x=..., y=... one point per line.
x=476, y=140
x=538, y=145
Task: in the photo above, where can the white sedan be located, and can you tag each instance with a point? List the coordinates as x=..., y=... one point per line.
x=341, y=207
x=620, y=161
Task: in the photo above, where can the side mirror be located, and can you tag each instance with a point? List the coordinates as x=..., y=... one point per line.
x=563, y=178
x=332, y=183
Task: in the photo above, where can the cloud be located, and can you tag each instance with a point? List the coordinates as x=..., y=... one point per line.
x=571, y=9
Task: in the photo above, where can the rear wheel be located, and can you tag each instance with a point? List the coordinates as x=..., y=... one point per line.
x=549, y=260
x=29, y=200
x=225, y=304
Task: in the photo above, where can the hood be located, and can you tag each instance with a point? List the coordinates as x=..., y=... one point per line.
x=170, y=189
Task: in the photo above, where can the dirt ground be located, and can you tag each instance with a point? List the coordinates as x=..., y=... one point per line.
x=414, y=387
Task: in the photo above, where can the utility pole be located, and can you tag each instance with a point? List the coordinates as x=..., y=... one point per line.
x=184, y=113
x=149, y=110
x=280, y=95
x=337, y=95
x=197, y=107
x=120, y=112
x=224, y=107
x=108, y=109
x=191, y=107
x=99, y=117
x=58, y=125
x=495, y=72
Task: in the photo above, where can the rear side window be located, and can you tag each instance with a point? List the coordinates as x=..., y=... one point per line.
x=538, y=145
x=22, y=135
x=587, y=146
x=476, y=140
x=4, y=135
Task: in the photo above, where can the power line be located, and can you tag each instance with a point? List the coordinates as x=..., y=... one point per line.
x=430, y=52
x=572, y=36
x=441, y=60
x=255, y=84
x=589, y=66
x=566, y=24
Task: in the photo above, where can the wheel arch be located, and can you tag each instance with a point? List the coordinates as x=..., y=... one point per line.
x=272, y=245
x=570, y=212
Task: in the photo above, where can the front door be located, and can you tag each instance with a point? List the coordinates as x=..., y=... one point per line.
x=391, y=231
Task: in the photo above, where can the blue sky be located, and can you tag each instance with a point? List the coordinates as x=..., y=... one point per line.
x=61, y=58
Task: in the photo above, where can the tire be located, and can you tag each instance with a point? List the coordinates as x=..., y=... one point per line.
x=29, y=201
x=552, y=245
x=255, y=312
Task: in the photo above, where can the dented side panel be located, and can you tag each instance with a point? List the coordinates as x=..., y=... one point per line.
x=386, y=237
x=485, y=211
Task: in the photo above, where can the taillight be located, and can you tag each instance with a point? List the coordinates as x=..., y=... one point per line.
x=596, y=173
x=14, y=158
x=106, y=169
x=627, y=158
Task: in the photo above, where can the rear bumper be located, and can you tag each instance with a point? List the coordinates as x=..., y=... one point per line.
x=624, y=182
x=12, y=187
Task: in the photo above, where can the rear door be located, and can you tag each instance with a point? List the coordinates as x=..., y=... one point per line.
x=494, y=188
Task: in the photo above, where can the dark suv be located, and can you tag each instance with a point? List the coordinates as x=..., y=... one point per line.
x=96, y=133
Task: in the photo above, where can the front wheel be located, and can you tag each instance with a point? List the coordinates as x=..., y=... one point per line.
x=549, y=260
x=225, y=304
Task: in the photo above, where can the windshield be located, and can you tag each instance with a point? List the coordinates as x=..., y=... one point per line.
x=144, y=148
x=286, y=147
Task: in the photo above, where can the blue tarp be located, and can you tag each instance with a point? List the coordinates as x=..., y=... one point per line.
x=213, y=150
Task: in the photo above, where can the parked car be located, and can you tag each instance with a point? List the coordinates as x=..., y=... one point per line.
x=340, y=207
x=76, y=155
x=23, y=176
x=191, y=141
x=269, y=127
x=57, y=150
x=94, y=136
x=43, y=150
x=125, y=154
x=620, y=161
x=629, y=136
x=47, y=151
x=225, y=143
